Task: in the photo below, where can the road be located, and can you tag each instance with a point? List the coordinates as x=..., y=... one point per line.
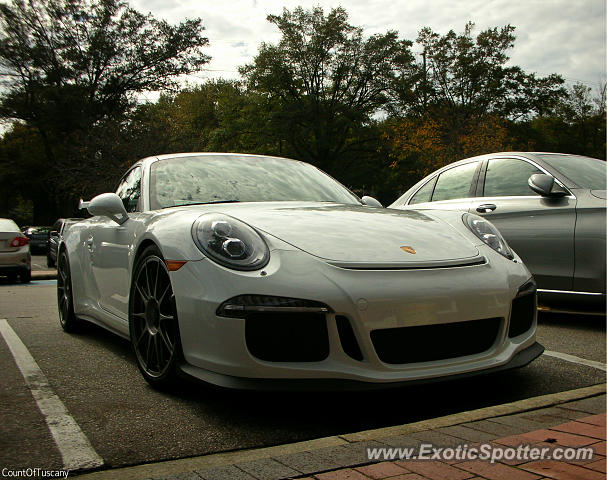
x=95, y=375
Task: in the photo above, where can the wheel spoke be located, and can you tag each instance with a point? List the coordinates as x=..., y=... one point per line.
x=147, y=280
x=144, y=331
x=156, y=278
x=148, y=352
x=143, y=295
x=165, y=339
x=159, y=353
x=161, y=299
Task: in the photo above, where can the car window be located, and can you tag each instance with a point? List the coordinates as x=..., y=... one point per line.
x=129, y=190
x=455, y=182
x=586, y=172
x=508, y=177
x=7, y=225
x=424, y=193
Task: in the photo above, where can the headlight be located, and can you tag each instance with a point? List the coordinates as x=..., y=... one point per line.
x=488, y=234
x=230, y=242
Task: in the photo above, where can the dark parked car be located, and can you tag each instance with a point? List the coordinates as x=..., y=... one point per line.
x=53, y=239
x=38, y=237
x=550, y=208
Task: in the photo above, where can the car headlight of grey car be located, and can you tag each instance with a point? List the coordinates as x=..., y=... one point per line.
x=487, y=232
x=230, y=242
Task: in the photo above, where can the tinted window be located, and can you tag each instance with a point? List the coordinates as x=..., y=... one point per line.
x=454, y=183
x=508, y=177
x=423, y=194
x=586, y=172
x=217, y=178
x=129, y=190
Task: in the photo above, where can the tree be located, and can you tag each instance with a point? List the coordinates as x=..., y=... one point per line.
x=321, y=85
x=468, y=77
x=72, y=67
x=464, y=100
x=576, y=126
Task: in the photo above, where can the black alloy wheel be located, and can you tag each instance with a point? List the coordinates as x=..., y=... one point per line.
x=153, y=326
x=65, y=299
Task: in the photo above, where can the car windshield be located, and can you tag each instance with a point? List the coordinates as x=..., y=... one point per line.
x=7, y=225
x=240, y=178
x=585, y=172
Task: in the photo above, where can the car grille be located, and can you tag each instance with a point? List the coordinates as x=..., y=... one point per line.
x=435, y=342
x=348, y=338
x=523, y=311
x=287, y=337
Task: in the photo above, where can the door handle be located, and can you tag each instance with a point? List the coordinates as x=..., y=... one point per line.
x=486, y=208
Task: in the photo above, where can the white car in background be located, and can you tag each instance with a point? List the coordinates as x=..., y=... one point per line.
x=15, y=256
x=248, y=271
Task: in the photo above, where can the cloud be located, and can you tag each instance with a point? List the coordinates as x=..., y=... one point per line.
x=559, y=36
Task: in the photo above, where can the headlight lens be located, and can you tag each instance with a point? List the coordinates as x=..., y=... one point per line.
x=487, y=232
x=230, y=242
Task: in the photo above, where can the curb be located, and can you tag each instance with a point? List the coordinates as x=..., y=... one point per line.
x=44, y=275
x=173, y=467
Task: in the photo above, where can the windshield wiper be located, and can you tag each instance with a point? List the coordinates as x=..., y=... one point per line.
x=203, y=203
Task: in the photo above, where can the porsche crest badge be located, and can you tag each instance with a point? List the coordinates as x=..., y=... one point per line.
x=408, y=249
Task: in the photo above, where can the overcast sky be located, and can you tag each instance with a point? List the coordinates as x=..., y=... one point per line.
x=553, y=36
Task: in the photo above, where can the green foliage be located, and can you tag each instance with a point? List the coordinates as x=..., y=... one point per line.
x=365, y=109
x=71, y=69
x=465, y=76
x=323, y=83
x=576, y=126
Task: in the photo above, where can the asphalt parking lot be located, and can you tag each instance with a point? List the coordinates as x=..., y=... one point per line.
x=95, y=375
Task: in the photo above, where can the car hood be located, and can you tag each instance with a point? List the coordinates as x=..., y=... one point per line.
x=358, y=236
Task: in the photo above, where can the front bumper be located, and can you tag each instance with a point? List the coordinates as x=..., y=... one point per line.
x=520, y=359
x=215, y=348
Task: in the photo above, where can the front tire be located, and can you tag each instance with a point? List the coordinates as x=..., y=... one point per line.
x=65, y=299
x=153, y=325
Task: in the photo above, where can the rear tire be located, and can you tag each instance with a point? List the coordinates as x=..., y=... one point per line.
x=153, y=325
x=65, y=299
x=25, y=276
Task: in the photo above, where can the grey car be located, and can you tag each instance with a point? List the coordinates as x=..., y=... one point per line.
x=550, y=207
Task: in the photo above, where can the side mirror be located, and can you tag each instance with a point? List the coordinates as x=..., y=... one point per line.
x=109, y=205
x=53, y=233
x=371, y=202
x=546, y=186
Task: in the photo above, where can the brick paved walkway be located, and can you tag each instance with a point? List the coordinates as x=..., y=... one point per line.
x=578, y=423
x=580, y=432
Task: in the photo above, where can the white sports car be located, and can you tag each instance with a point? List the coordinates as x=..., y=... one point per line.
x=249, y=271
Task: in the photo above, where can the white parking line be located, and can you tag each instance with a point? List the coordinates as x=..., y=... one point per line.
x=76, y=451
x=578, y=360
